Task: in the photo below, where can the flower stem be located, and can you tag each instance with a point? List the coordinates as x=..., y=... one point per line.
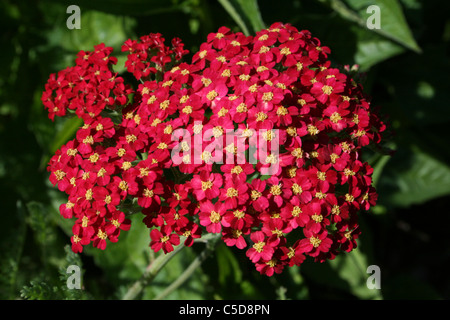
x=150, y=273
x=157, y=264
x=210, y=245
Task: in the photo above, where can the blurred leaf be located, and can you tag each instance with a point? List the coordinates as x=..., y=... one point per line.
x=128, y=258
x=297, y=288
x=40, y=290
x=393, y=23
x=11, y=247
x=245, y=13
x=44, y=289
x=372, y=48
x=418, y=95
x=352, y=268
x=194, y=287
x=96, y=27
x=127, y=7
x=39, y=220
x=346, y=274
x=413, y=177
x=65, y=133
x=228, y=266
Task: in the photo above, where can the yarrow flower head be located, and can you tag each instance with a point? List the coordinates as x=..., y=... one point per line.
x=288, y=185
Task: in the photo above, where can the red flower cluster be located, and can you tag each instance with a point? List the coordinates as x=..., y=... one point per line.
x=276, y=86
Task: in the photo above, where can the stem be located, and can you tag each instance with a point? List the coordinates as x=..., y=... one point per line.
x=157, y=264
x=150, y=273
x=189, y=271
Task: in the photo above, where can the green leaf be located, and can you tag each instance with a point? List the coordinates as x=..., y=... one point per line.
x=96, y=27
x=245, y=13
x=346, y=275
x=65, y=133
x=392, y=21
x=39, y=220
x=352, y=268
x=418, y=97
x=228, y=266
x=413, y=177
x=40, y=290
x=127, y=259
x=371, y=48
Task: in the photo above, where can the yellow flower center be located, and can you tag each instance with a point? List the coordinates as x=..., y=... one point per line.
x=232, y=192
x=297, y=189
x=335, y=117
x=298, y=153
x=256, y=195
x=212, y=95
x=336, y=210
x=59, y=174
x=315, y=241
x=164, y=105
x=321, y=175
x=267, y=96
x=259, y=246
x=88, y=194
x=102, y=235
x=296, y=211
x=239, y=214
x=121, y=152
x=327, y=90
x=206, y=185
x=130, y=138
x=148, y=193
x=237, y=170
x=85, y=221
x=261, y=116
x=115, y=223
x=72, y=152
x=282, y=111
x=123, y=185
x=275, y=190
x=214, y=217
x=285, y=51
x=241, y=108
x=313, y=130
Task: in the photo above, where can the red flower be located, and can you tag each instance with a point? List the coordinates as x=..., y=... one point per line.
x=272, y=266
x=80, y=238
x=164, y=239
x=314, y=243
x=293, y=254
x=206, y=186
x=238, y=218
x=117, y=222
x=234, y=193
x=301, y=123
x=263, y=246
x=234, y=237
x=191, y=231
x=211, y=215
x=259, y=200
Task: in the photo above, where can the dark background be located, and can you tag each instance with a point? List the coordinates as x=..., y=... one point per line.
x=406, y=65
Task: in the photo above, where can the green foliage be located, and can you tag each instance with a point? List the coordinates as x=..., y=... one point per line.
x=406, y=64
x=41, y=289
x=245, y=13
